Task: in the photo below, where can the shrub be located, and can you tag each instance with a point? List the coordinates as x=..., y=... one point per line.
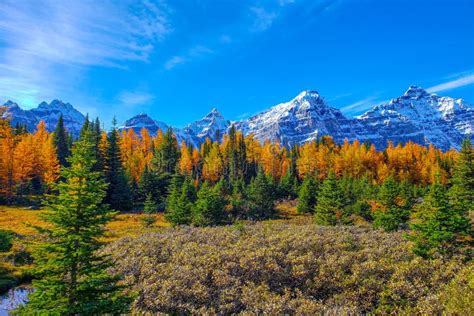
x=279, y=268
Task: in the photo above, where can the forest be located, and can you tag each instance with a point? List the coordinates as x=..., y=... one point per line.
x=254, y=227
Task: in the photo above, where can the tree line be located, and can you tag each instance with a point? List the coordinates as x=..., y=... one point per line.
x=235, y=177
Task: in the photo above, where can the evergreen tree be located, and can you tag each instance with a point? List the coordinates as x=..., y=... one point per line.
x=439, y=228
x=72, y=278
x=149, y=209
x=392, y=212
x=167, y=154
x=261, y=197
x=307, y=196
x=288, y=186
x=85, y=129
x=61, y=142
x=238, y=199
x=154, y=184
x=461, y=194
x=329, y=205
x=180, y=200
x=209, y=207
x=118, y=192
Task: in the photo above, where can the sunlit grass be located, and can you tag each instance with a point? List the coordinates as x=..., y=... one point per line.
x=21, y=221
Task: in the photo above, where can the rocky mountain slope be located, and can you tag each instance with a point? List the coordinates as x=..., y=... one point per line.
x=416, y=115
x=48, y=112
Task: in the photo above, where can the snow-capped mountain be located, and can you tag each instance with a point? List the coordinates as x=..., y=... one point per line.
x=211, y=126
x=48, y=112
x=421, y=117
x=302, y=119
x=144, y=121
x=416, y=116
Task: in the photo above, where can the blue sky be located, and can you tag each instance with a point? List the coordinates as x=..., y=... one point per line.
x=176, y=59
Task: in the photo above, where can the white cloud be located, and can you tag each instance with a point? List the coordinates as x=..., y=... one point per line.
x=362, y=105
x=174, y=61
x=48, y=45
x=132, y=98
x=194, y=52
x=466, y=79
x=263, y=18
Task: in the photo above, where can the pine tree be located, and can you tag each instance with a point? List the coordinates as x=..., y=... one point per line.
x=261, y=197
x=166, y=155
x=118, y=192
x=461, y=194
x=329, y=205
x=72, y=278
x=209, y=207
x=180, y=200
x=149, y=209
x=439, y=228
x=307, y=195
x=392, y=212
x=288, y=186
x=61, y=143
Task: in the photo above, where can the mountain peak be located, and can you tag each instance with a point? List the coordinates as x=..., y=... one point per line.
x=10, y=104
x=214, y=113
x=415, y=92
x=307, y=95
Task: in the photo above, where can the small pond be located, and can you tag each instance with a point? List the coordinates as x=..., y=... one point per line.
x=14, y=298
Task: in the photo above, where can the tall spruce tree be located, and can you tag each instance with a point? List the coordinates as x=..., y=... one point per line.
x=118, y=192
x=392, y=212
x=439, y=227
x=149, y=209
x=329, y=206
x=261, y=197
x=209, y=207
x=166, y=155
x=307, y=195
x=179, y=203
x=72, y=277
x=61, y=142
x=461, y=194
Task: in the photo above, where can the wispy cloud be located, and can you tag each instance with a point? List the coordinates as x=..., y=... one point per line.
x=362, y=105
x=263, y=18
x=197, y=51
x=464, y=80
x=48, y=45
x=133, y=98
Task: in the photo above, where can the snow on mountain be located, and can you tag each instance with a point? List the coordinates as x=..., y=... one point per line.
x=416, y=116
x=211, y=126
x=49, y=113
x=302, y=119
x=144, y=121
x=421, y=117
x=194, y=133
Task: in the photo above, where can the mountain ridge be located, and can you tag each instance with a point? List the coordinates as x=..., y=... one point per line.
x=416, y=115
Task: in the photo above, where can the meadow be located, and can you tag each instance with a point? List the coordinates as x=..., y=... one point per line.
x=21, y=221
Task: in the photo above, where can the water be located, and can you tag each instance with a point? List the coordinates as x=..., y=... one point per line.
x=14, y=298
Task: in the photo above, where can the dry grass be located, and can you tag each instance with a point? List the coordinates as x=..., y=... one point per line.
x=21, y=220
